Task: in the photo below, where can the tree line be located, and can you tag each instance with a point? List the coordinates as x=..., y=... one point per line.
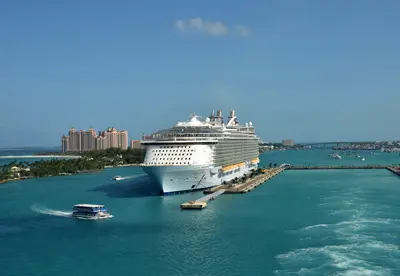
x=89, y=161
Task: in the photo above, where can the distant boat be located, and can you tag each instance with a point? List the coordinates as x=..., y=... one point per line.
x=335, y=156
x=117, y=177
x=363, y=159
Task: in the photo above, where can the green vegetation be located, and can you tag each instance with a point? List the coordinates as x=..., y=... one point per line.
x=112, y=156
x=55, y=153
x=44, y=168
x=116, y=156
x=272, y=165
x=4, y=175
x=90, y=161
x=278, y=146
x=253, y=173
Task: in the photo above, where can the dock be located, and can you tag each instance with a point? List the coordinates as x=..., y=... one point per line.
x=202, y=202
x=253, y=182
x=241, y=188
x=336, y=167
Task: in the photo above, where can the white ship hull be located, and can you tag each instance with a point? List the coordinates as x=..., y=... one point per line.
x=175, y=179
x=91, y=217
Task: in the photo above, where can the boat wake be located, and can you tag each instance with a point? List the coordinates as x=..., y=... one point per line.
x=51, y=212
x=95, y=218
x=359, y=242
x=314, y=226
x=131, y=176
x=120, y=178
x=127, y=177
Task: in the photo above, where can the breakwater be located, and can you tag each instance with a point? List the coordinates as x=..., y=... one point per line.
x=392, y=168
x=337, y=167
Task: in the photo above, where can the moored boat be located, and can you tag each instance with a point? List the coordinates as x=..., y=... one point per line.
x=200, y=153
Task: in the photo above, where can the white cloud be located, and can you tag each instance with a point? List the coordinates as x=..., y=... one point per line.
x=242, y=31
x=214, y=28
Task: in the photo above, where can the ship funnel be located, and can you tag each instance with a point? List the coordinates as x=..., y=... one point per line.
x=232, y=113
x=218, y=118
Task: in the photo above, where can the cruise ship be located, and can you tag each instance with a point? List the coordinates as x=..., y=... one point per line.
x=200, y=153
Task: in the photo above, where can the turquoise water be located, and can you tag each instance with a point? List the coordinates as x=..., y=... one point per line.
x=342, y=222
x=320, y=157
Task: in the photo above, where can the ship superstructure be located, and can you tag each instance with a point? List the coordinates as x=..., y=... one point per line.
x=200, y=153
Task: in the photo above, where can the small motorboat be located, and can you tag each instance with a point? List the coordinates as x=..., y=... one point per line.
x=117, y=177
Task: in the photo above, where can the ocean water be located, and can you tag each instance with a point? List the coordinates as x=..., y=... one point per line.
x=339, y=222
x=320, y=157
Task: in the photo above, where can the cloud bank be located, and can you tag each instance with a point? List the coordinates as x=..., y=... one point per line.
x=213, y=28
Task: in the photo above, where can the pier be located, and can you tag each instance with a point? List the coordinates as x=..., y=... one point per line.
x=241, y=188
x=393, y=168
x=254, y=182
x=337, y=167
x=202, y=202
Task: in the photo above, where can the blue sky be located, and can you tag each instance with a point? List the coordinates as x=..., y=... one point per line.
x=308, y=70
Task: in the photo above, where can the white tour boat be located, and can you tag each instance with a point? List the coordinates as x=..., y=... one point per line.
x=90, y=211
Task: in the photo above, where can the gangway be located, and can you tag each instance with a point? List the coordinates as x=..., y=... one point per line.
x=210, y=196
x=201, y=202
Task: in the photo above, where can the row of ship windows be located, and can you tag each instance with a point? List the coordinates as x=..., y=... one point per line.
x=171, y=159
x=158, y=150
x=168, y=163
x=175, y=147
x=169, y=147
x=169, y=154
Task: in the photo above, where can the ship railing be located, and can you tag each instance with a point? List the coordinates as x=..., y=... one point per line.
x=180, y=139
x=179, y=135
x=189, y=136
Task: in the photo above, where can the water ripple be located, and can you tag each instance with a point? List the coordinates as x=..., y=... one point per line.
x=361, y=242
